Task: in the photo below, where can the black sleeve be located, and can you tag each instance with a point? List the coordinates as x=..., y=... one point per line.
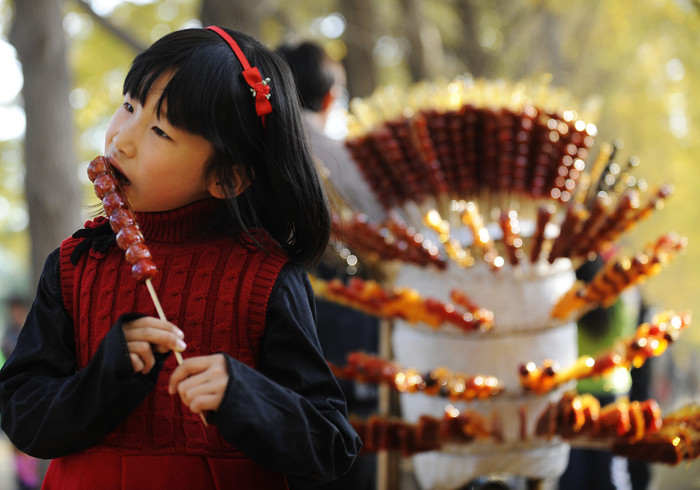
x=49, y=408
x=290, y=414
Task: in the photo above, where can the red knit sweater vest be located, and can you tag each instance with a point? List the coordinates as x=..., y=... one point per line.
x=216, y=290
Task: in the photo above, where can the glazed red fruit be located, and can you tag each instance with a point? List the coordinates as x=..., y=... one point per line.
x=128, y=236
x=120, y=219
x=104, y=184
x=136, y=252
x=143, y=270
x=607, y=362
x=97, y=167
x=652, y=415
x=113, y=201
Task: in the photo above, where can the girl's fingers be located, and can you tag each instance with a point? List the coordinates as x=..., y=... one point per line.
x=203, y=397
x=164, y=336
x=200, y=382
x=141, y=356
x=137, y=363
x=155, y=323
x=146, y=334
x=189, y=369
x=200, y=386
x=206, y=403
x=160, y=340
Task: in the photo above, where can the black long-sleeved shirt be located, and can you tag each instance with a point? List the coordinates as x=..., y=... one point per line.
x=288, y=414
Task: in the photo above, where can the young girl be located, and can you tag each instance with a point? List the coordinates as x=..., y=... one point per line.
x=225, y=191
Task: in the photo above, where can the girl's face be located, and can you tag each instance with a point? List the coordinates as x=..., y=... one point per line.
x=159, y=166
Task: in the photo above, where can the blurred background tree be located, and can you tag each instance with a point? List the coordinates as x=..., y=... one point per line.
x=52, y=192
x=631, y=66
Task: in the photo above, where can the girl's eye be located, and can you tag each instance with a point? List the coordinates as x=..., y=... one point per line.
x=160, y=132
x=128, y=107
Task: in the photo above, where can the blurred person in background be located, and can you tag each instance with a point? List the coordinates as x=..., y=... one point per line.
x=320, y=82
x=28, y=470
x=640, y=471
x=17, y=308
x=598, y=330
x=321, y=86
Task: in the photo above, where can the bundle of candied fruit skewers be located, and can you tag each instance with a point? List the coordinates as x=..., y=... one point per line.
x=619, y=275
x=437, y=143
x=436, y=153
x=581, y=416
x=650, y=340
x=631, y=429
x=380, y=433
x=677, y=440
x=477, y=171
x=405, y=303
x=392, y=240
x=622, y=426
x=637, y=429
x=368, y=368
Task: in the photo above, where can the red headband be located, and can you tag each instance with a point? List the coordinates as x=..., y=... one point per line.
x=258, y=86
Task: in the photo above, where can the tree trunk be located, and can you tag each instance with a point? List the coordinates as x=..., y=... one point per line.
x=359, y=37
x=470, y=51
x=51, y=185
x=426, y=58
x=242, y=16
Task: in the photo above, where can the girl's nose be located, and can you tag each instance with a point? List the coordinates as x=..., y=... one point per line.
x=121, y=134
x=123, y=139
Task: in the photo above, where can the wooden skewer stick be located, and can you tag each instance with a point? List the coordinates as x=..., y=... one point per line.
x=161, y=315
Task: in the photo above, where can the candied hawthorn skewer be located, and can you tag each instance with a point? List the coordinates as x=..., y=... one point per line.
x=402, y=302
x=591, y=226
x=429, y=433
x=129, y=236
x=472, y=218
x=454, y=250
x=122, y=221
x=618, y=275
x=581, y=416
x=367, y=368
x=677, y=439
x=649, y=340
x=390, y=240
x=510, y=227
x=575, y=215
x=544, y=215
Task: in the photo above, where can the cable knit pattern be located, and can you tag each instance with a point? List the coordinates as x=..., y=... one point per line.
x=215, y=289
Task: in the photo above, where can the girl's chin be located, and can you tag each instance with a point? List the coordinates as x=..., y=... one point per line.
x=140, y=206
x=135, y=203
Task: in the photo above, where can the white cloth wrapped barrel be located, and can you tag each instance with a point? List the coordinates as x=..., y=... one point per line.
x=521, y=299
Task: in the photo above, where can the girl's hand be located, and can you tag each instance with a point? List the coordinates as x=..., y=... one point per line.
x=146, y=334
x=200, y=382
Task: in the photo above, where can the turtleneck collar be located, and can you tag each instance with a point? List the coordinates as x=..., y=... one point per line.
x=179, y=225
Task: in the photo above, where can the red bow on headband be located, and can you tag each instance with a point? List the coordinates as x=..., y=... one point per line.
x=259, y=87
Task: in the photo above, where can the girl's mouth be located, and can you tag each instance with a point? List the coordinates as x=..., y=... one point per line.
x=121, y=178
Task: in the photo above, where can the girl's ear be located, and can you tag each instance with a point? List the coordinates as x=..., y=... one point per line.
x=240, y=183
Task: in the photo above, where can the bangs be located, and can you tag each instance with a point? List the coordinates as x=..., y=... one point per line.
x=200, y=83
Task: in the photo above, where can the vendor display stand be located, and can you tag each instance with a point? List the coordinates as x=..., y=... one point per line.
x=493, y=200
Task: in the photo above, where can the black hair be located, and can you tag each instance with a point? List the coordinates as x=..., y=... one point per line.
x=208, y=96
x=313, y=71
